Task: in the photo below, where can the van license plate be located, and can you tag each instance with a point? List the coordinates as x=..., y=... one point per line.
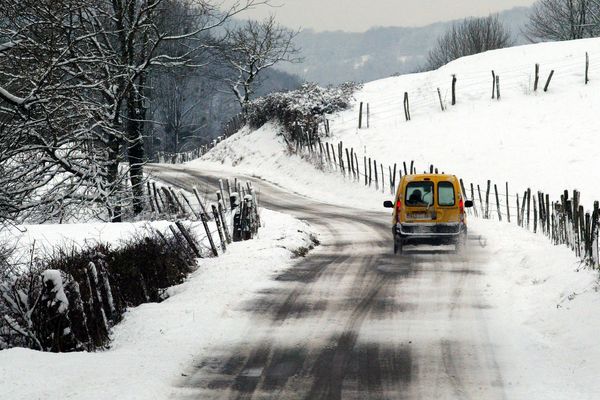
x=420, y=216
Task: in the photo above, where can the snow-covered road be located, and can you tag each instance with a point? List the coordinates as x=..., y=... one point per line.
x=353, y=321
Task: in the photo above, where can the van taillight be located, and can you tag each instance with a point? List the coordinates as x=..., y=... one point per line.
x=399, y=205
x=461, y=206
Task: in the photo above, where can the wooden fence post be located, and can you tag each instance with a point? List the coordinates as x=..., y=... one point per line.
x=440, y=97
x=405, y=170
x=587, y=67
x=528, y=205
x=376, y=175
x=498, y=203
x=487, y=200
x=547, y=215
x=382, y=178
x=498, y=87
x=473, y=200
x=188, y=238
x=209, y=235
x=507, y=205
x=406, y=107
x=221, y=189
x=360, y=114
x=224, y=223
x=200, y=202
x=493, y=85
x=519, y=219
x=366, y=177
x=150, y=199
x=537, y=77
x=219, y=228
x=453, y=89
x=535, y=217
x=548, y=81
x=348, y=159
x=481, y=202
x=194, y=213
x=156, y=198
x=390, y=179
x=370, y=176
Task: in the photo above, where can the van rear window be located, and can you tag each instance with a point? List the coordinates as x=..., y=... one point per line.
x=419, y=194
x=446, y=197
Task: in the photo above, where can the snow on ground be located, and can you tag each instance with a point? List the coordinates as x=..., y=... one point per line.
x=546, y=301
x=156, y=342
x=546, y=319
x=545, y=141
x=262, y=154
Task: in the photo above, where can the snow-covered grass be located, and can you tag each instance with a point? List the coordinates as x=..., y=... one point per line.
x=156, y=342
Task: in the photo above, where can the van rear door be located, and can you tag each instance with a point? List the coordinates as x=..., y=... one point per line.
x=419, y=201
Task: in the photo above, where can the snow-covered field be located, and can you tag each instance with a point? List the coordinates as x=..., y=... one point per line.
x=543, y=140
x=544, y=304
x=546, y=301
x=156, y=342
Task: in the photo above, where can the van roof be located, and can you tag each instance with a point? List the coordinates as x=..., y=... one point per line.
x=433, y=177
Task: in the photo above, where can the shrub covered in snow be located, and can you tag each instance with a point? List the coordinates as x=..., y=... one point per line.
x=70, y=301
x=301, y=111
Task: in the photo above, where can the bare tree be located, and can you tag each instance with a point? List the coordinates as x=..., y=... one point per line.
x=252, y=48
x=563, y=20
x=73, y=93
x=53, y=130
x=471, y=36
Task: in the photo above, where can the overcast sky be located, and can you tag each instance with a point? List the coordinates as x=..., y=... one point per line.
x=360, y=15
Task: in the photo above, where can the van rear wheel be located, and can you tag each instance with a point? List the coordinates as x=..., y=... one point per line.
x=398, y=244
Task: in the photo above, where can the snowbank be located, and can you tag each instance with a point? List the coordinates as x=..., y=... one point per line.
x=156, y=342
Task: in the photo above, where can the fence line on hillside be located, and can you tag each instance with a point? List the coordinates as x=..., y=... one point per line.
x=564, y=222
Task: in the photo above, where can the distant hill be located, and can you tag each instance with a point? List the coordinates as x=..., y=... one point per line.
x=335, y=57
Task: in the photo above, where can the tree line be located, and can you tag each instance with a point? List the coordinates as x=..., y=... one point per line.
x=86, y=84
x=549, y=20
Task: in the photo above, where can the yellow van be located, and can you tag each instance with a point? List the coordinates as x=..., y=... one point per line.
x=429, y=209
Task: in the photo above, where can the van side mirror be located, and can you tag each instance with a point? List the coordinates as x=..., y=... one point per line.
x=388, y=204
x=468, y=203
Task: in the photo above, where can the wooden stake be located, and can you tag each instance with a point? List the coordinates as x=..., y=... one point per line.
x=189, y=239
x=224, y=223
x=587, y=67
x=507, y=205
x=219, y=228
x=498, y=87
x=209, y=235
x=360, y=114
x=548, y=81
x=453, y=90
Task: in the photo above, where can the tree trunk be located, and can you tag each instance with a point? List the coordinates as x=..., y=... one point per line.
x=135, y=150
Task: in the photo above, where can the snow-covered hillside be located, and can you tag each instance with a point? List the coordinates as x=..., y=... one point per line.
x=544, y=299
x=547, y=141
